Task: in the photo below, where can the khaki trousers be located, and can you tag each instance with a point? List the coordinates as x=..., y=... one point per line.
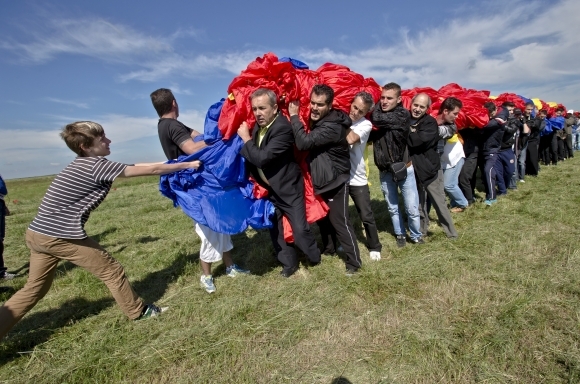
x=45, y=253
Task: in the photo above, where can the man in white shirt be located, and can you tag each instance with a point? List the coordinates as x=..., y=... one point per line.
x=357, y=138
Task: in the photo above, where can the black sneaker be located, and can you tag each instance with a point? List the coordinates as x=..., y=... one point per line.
x=418, y=241
x=401, y=242
x=151, y=310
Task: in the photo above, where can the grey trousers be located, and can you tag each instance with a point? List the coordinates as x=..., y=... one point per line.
x=436, y=196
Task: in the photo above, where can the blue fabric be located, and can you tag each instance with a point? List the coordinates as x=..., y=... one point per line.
x=295, y=63
x=526, y=100
x=3, y=189
x=218, y=194
x=553, y=123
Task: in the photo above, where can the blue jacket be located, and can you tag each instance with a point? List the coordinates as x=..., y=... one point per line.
x=218, y=194
x=3, y=189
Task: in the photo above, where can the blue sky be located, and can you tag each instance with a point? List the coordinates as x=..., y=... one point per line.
x=66, y=61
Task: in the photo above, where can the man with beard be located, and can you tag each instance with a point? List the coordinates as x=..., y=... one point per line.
x=270, y=155
x=329, y=161
x=390, y=146
x=422, y=142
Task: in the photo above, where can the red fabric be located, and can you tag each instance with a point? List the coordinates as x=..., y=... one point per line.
x=291, y=84
x=519, y=103
x=472, y=114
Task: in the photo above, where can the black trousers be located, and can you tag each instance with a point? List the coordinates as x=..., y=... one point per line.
x=532, y=161
x=337, y=226
x=2, y=233
x=545, y=143
x=561, y=149
x=467, y=177
x=569, y=148
x=361, y=196
x=554, y=147
x=304, y=239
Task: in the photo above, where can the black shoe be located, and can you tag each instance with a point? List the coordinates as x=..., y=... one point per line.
x=313, y=263
x=351, y=271
x=288, y=271
x=418, y=241
x=401, y=242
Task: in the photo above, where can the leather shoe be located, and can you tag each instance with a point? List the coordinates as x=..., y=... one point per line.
x=287, y=272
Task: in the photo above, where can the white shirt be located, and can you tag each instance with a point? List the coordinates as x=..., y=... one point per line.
x=358, y=172
x=452, y=153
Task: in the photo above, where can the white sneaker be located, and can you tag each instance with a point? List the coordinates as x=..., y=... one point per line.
x=375, y=255
x=7, y=276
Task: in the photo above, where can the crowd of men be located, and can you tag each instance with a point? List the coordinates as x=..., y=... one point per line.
x=421, y=157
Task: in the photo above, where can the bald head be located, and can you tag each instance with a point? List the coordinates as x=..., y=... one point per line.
x=420, y=104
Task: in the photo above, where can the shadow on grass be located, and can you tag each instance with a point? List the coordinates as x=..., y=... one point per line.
x=37, y=328
x=27, y=334
x=341, y=380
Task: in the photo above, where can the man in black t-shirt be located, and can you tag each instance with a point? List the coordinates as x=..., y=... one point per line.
x=177, y=140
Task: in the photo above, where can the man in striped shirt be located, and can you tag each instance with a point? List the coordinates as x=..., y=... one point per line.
x=57, y=232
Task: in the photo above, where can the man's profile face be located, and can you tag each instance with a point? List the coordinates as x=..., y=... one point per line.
x=542, y=115
x=528, y=110
x=510, y=109
x=358, y=109
x=263, y=110
x=389, y=99
x=318, y=107
x=450, y=116
x=419, y=106
x=558, y=113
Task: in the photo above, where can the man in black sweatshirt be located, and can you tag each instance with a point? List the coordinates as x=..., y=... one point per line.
x=329, y=160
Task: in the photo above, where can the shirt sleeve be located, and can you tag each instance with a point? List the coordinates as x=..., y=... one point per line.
x=107, y=171
x=179, y=133
x=363, y=130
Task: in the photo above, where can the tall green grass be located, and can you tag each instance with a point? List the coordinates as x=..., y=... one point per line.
x=500, y=304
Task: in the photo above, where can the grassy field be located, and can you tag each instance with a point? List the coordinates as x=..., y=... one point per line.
x=499, y=305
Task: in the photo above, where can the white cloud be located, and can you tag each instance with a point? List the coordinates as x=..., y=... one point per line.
x=505, y=52
x=68, y=102
x=91, y=37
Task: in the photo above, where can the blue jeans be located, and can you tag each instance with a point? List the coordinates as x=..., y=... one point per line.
x=410, y=198
x=576, y=140
x=522, y=162
x=451, y=185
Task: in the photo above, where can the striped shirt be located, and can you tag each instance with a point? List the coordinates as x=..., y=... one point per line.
x=74, y=193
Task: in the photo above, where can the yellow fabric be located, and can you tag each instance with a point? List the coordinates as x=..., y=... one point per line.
x=366, y=158
x=492, y=97
x=537, y=103
x=453, y=139
x=552, y=104
x=261, y=133
x=231, y=97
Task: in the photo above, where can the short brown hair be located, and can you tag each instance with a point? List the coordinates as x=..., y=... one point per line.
x=81, y=133
x=393, y=86
x=162, y=100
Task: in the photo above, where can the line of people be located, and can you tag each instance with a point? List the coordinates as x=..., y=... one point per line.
x=422, y=156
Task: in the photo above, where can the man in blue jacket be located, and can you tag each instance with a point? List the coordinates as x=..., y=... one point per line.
x=492, y=135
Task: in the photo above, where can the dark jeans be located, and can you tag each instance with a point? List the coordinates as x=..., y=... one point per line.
x=337, y=226
x=2, y=233
x=505, y=168
x=361, y=196
x=467, y=177
x=304, y=239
